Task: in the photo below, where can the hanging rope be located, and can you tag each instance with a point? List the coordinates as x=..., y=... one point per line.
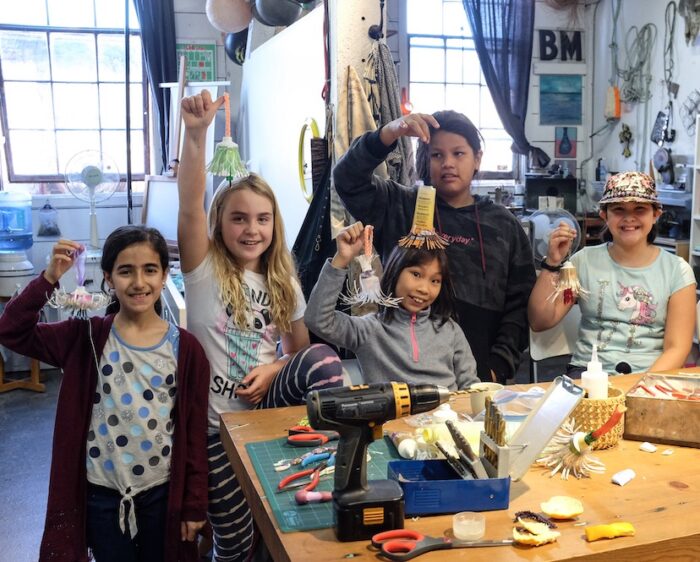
x=669, y=35
x=636, y=78
x=615, y=7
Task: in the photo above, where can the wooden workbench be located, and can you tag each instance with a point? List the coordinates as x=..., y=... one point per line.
x=662, y=502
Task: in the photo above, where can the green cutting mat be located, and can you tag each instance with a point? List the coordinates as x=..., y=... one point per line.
x=289, y=515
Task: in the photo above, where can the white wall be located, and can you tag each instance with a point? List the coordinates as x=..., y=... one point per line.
x=282, y=83
x=597, y=23
x=686, y=74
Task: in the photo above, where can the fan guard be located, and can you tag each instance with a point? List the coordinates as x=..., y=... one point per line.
x=542, y=223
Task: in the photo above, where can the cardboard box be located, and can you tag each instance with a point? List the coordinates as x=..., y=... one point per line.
x=664, y=409
x=432, y=487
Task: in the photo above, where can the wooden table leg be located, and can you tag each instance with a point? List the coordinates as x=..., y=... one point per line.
x=31, y=383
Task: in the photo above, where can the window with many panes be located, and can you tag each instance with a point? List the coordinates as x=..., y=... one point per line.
x=444, y=73
x=63, y=88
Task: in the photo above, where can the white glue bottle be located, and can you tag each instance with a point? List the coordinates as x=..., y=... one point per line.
x=594, y=380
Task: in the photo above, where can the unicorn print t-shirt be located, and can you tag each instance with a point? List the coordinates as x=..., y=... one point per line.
x=624, y=312
x=232, y=352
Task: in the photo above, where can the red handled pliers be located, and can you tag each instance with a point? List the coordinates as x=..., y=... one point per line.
x=305, y=436
x=306, y=495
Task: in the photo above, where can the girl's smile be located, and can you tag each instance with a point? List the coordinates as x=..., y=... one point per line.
x=247, y=226
x=137, y=278
x=631, y=222
x=419, y=285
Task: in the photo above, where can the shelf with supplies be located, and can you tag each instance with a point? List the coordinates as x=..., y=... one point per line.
x=694, y=257
x=679, y=247
x=591, y=229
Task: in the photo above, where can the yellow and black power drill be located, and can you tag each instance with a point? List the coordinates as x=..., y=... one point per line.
x=357, y=413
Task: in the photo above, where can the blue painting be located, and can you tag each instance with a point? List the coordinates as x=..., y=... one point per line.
x=561, y=99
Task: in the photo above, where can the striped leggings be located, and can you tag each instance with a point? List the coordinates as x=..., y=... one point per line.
x=313, y=368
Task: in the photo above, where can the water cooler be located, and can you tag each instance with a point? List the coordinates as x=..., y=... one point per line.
x=15, y=272
x=15, y=239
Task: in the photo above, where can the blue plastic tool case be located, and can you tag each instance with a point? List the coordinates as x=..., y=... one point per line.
x=432, y=486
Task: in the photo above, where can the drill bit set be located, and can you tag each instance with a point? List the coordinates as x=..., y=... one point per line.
x=502, y=457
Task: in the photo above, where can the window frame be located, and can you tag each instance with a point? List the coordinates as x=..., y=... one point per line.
x=513, y=174
x=14, y=178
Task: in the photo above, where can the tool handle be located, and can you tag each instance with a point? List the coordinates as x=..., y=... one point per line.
x=307, y=440
x=407, y=549
x=350, y=459
x=396, y=534
x=302, y=497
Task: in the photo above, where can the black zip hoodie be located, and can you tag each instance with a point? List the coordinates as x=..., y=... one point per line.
x=490, y=255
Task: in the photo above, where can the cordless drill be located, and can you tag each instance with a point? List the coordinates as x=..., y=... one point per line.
x=357, y=413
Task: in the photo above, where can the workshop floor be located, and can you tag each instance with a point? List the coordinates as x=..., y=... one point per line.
x=27, y=419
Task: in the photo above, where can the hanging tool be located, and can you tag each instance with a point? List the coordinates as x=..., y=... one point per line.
x=305, y=436
x=403, y=544
x=364, y=508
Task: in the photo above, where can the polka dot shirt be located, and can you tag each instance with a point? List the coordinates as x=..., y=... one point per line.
x=130, y=438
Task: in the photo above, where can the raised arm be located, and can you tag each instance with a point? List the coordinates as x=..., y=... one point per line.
x=192, y=232
x=20, y=326
x=678, y=335
x=543, y=311
x=321, y=315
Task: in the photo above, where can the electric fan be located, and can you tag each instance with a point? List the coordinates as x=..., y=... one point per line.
x=93, y=177
x=542, y=223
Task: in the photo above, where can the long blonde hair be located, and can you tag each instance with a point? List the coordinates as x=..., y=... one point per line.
x=278, y=267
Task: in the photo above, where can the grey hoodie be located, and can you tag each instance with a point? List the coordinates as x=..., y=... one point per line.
x=411, y=348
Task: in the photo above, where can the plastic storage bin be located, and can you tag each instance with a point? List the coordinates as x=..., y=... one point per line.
x=15, y=222
x=432, y=487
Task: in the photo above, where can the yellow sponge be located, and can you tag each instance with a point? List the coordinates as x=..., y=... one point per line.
x=610, y=531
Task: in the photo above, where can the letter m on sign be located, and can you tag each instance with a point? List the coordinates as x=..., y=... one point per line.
x=571, y=46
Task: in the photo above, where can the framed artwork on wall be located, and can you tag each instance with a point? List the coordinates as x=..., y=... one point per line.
x=561, y=99
x=564, y=142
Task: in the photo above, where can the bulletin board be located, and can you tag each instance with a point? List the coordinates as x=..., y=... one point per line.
x=200, y=60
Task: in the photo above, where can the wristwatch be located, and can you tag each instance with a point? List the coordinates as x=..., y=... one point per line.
x=552, y=268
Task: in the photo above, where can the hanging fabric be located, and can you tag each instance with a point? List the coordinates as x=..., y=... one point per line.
x=385, y=102
x=353, y=118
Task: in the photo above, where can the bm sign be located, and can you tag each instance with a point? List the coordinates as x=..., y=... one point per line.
x=560, y=45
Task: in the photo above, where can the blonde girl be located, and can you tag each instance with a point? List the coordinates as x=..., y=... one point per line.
x=245, y=305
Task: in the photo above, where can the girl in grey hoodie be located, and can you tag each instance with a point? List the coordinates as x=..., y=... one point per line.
x=418, y=342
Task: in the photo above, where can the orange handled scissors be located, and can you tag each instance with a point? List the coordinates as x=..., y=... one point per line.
x=403, y=544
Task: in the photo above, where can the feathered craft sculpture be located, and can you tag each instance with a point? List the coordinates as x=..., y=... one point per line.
x=79, y=302
x=569, y=449
x=568, y=284
x=370, y=290
x=227, y=160
x=422, y=231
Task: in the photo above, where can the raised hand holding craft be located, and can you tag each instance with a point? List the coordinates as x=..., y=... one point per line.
x=79, y=301
x=227, y=160
x=370, y=290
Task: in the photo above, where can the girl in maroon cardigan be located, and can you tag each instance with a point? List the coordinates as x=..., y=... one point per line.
x=129, y=464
